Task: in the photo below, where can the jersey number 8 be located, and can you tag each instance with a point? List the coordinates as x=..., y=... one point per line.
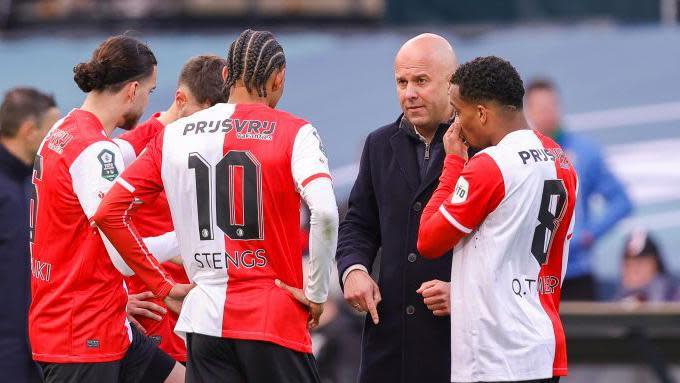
x=550, y=214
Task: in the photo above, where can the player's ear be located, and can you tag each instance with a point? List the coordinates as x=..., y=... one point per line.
x=225, y=73
x=279, y=79
x=482, y=113
x=180, y=97
x=132, y=89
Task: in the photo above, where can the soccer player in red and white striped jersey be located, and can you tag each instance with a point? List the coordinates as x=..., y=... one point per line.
x=200, y=86
x=77, y=320
x=234, y=175
x=508, y=214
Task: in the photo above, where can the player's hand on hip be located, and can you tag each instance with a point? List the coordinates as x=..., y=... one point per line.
x=436, y=296
x=176, y=296
x=362, y=293
x=315, y=309
x=139, y=306
x=454, y=142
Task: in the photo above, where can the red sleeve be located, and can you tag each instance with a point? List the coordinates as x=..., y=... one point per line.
x=140, y=136
x=479, y=189
x=139, y=183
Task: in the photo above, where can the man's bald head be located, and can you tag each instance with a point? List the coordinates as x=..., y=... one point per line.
x=428, y=47
x=423, y=67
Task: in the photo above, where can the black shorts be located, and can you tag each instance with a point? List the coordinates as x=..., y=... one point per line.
x=555, y=379
x=223, y=360
x=144, y=362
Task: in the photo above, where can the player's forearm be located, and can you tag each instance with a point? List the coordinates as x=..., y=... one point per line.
x=323, y=237
x=163, y=247
x=453, y=166
x=436, y=235
x=112, y=218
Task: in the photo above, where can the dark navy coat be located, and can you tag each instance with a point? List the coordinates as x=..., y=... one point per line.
x=16, y=189
x=409, y=344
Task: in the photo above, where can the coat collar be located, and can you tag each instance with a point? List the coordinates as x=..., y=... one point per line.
x=13, y=166
x=402, y=142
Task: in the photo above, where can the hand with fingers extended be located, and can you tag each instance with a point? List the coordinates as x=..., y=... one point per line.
x=362, y=293
x=139, y=306
x=315, y=309
x=176, y=296
x=436, y=296
x=454, y=143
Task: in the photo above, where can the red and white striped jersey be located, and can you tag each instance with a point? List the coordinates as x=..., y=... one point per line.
x=77, y=311
x=514, y=202
x=232, y=174
x=153, y=220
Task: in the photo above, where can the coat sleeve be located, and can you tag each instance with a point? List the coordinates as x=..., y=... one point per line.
x=359, y=233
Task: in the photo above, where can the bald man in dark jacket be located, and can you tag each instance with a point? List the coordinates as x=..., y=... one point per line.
x=407, y=332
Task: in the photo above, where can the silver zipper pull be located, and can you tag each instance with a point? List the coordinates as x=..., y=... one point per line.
x=427, y=151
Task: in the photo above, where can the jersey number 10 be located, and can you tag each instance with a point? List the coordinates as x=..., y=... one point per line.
x=238, y=200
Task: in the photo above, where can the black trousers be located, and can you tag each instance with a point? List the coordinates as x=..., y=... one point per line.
x=223, y=360
x=550, y=380
x=144, y=362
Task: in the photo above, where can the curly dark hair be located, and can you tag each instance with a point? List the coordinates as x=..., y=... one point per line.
x=489, y=78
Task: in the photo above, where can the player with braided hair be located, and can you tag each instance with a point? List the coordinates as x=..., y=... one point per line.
x=234, y=176
x=253, y=57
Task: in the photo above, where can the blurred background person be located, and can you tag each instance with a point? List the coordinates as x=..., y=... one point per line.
x=644, y=276
x=543, y=111
x=26, y=115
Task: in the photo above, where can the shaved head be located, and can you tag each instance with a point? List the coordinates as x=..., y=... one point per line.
x=423, y=67
x=428, y=48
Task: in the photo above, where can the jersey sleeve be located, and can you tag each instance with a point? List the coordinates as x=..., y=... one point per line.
x=454, y=211
x=139, y=183
x=323, y=237
x=93, y=173
x=132, y=142
x=478, y=191
x=308, y=160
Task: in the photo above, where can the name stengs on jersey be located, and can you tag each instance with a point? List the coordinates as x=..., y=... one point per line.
x=544, y=155
x=244, y=129
x=246, y=259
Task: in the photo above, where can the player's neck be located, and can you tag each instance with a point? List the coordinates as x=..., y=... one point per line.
x=100, y=106
x=240, y=95
x=516, y=122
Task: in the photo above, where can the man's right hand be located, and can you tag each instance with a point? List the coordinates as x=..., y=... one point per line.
x=362, y=293
x=176, y=296
x=453, y=141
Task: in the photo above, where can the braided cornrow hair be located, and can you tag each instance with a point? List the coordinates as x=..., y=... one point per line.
x=253, y=57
